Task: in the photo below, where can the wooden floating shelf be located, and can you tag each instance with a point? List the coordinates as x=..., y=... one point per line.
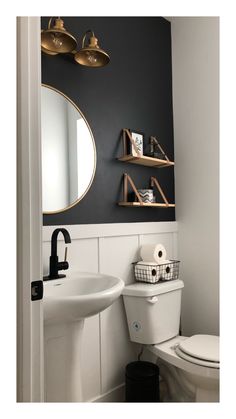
x=144, y=204
x=146, y=161
x=139, y=202
x=137, y=158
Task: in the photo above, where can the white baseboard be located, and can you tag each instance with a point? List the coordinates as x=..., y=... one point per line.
x=116, y=395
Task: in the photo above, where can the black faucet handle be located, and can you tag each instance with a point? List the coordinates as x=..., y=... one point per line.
x=65, y=257
x=62, y=266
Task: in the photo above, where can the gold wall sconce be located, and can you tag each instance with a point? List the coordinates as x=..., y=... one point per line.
x=57, y=40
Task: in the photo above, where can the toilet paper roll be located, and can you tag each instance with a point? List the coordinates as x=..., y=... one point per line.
x=166, y=270
x=153, y=253
x=147, y=272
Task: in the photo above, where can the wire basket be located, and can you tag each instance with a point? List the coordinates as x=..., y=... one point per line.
x=153, y=272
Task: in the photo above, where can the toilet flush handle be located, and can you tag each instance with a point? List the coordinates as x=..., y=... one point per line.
x=153, y=300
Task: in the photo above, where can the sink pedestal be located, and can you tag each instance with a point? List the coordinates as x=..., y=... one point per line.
x=62, y=349
x=66, y=303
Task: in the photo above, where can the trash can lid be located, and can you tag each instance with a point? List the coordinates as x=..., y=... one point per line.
x=141, y=370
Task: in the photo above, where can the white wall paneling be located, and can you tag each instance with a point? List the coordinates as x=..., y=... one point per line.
x=86, y=231
x=109, y=249
x=116, y=257
x=82, y=254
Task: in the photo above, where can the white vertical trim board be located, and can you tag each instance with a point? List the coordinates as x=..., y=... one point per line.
x=100, y=320
x=29, y=212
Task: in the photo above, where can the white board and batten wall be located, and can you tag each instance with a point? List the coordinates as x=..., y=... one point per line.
x=108, y=249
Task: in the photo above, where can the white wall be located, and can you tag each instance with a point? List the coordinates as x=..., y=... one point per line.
x=195, y=61
x=109, y=249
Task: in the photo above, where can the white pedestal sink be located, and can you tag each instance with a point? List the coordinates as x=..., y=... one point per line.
x=67, y=302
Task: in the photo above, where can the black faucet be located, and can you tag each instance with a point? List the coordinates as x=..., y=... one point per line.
x=54, y=264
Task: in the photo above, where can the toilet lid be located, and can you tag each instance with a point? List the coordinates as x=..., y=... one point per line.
x=201, y=350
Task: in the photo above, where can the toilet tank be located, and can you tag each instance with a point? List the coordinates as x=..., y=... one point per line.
x=153, y=310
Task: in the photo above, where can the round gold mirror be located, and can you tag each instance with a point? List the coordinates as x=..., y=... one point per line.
x=68, y=152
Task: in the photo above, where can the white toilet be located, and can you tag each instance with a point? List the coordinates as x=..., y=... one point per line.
x=189, y=366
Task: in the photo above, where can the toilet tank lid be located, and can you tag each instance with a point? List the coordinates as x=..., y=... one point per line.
x=141, y=289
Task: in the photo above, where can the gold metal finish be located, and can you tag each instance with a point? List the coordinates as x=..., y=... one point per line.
x=46, y=51
x=91, y=55
x=94, y=150
x=57, y=40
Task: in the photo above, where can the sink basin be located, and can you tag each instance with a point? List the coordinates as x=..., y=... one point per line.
x=79, y=295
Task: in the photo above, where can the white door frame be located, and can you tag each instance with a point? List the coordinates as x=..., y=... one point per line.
x=30, y=380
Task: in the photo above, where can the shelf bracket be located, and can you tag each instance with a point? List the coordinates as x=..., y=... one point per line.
x=127, y=134
x=160, y=148
x=127, y=179
x=154, y=182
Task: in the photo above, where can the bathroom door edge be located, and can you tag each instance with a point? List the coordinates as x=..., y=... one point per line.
x=30, y=378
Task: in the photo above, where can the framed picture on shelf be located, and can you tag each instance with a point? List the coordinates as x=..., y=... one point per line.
x=138, y=141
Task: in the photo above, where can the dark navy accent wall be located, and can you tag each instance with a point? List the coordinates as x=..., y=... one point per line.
x=133, y=91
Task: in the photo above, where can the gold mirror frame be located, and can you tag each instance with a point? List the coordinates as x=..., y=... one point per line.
x=94, y=150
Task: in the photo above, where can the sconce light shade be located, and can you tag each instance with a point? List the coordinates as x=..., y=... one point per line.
x=56, y=39
x=91, y=55
x=48, y=52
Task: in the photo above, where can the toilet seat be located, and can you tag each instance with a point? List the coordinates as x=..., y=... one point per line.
x=200, y=349
x=167, y=352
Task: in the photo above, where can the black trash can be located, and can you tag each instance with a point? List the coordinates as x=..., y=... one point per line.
x=142, y=382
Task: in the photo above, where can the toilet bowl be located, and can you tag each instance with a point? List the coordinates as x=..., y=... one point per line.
x=189, y=366
x=190, y=377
